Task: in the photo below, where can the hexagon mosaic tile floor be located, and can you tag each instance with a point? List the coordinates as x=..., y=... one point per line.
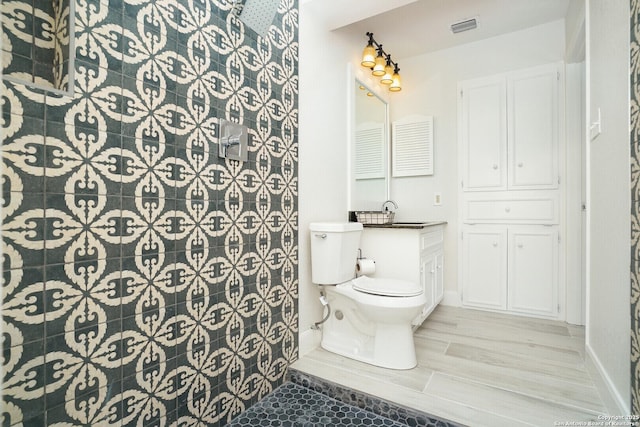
x=294, y=405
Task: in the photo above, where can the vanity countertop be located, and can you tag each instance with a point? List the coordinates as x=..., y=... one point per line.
x=406, y=224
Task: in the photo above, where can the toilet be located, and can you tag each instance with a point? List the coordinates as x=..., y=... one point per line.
x=369, y=318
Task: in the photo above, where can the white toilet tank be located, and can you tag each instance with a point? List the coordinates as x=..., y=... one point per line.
x=334, y=251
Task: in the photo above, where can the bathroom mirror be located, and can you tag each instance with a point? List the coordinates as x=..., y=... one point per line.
x=369, y=148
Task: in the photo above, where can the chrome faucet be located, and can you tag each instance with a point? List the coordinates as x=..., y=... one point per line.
x=385, y=208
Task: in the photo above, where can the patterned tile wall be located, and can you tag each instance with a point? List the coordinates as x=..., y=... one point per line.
x=36, y=42
x=145, y=280
x=635, y=207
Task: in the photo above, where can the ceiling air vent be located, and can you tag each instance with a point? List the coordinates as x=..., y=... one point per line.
x=466, y=25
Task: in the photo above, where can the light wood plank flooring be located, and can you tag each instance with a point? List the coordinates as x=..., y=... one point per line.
x=480, y=369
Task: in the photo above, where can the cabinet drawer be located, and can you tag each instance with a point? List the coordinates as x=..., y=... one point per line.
x=431, y=238
x=544, y=210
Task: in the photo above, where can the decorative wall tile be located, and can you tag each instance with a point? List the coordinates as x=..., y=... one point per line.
x=145, y=280
x=36, y=42
x=635, y=205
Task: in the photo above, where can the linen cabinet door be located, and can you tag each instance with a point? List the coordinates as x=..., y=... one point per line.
x=484, y=134
x=533, y=128
x=533, y=270
x=484, y=272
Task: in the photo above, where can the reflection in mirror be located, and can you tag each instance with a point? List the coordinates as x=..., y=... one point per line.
x=369, y=150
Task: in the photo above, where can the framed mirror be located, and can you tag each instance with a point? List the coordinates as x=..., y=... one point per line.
x=368, y=147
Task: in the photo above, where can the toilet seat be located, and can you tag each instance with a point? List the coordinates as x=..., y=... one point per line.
x=386, y=287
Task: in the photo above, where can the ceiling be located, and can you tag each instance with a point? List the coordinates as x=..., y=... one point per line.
x=412, y=27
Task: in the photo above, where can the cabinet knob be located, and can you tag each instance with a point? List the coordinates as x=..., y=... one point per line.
x=495, y=166
x=507, y=209
x=520, y=164
x=520, y=246
x=433, y=272
x=495, y=244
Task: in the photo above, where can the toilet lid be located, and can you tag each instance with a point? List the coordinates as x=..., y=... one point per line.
x=386, y=287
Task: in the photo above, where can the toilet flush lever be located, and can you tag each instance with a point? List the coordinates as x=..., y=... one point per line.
x=322, y=236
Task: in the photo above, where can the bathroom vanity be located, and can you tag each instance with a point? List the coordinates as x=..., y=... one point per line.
x=410, y=251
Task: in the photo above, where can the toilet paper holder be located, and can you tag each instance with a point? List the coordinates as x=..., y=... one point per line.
x=365, y=266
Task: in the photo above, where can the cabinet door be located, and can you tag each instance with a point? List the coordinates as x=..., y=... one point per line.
x=533, y=128
x=439, y=284
x=484, y=134
x=484, y=272
x=428, y=273
x=533, y=270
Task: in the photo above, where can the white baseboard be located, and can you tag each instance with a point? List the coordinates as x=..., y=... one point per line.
x=611, y=397
x=309, y=340
x=451, y=298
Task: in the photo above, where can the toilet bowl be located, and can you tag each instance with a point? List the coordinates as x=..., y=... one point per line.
x=370, y=318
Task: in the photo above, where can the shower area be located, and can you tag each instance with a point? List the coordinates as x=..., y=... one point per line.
x=146, y=279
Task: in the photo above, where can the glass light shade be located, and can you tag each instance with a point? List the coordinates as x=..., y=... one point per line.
x=387, y=79
x=396, y=85
x=378, y=68
x=368, y=56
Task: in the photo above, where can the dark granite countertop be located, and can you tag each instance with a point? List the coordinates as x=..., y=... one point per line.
x=406, y=224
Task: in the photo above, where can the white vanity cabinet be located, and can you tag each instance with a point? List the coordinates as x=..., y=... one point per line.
x=511, y=267
x=415, y=254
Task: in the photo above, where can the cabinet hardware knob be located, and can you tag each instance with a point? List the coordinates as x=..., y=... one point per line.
x=495, y=166
x=520, y=246
x=495, y=244
x=507, y=210
x=520, y=164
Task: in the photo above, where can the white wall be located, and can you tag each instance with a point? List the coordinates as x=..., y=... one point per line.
x=322, y=148
x=608, y=292
x=575, y=159
x=328, y=60
x=574, y=25
x=430, y=88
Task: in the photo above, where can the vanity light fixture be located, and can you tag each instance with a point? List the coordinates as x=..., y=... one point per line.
x=396, y=84
x=378, y=68
x=381, y=64
x=387, y=77
x=369, y=53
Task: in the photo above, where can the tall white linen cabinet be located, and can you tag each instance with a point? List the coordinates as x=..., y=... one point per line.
x=510, y=191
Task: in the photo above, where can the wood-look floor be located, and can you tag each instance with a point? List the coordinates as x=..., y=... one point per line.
x=480, y=369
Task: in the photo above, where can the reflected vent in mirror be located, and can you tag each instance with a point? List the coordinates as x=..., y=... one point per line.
x=370, y=158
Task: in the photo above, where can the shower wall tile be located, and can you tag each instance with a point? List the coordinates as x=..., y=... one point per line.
x=635, y=206
x=36, y=42
x=145, y=280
